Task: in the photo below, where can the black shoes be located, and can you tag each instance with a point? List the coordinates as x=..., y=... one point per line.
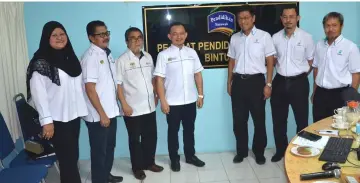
x=260, y=159
x=115, y=179
x=195, y=161
x=139, y=174
x=277, y=157
x=175, y=166
x=238, y=158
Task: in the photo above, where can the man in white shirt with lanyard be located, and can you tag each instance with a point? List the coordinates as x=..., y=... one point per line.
x=336, y=67
x=178, y=70
x=294, y=56
x=99, y=75
x=251, y=54
x=136, y=86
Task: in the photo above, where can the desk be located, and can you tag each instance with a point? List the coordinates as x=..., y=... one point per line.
x=295, y=165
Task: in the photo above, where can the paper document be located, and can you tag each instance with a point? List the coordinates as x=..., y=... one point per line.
x=320, y=144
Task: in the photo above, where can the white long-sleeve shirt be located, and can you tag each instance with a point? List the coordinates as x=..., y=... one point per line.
x=57, y=103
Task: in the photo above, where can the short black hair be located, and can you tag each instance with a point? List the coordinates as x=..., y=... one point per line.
x=290, y=6
x=337, y=15
x=176, y=24
x=91, y=26
x=248, y=8
x=130, y=30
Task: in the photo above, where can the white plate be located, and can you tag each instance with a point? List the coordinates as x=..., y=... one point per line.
x=337, y=127
x=314, y=151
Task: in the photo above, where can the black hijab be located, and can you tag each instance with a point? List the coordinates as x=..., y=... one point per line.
x=47, y=60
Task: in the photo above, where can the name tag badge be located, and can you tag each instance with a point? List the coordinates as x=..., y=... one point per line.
x=170, y=59
x=132, y=65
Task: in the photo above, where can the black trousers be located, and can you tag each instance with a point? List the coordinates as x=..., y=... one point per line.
x=102, y=144
x=293, y=91
x=326, y=101
x=142, y=133
x=187, y=115
x=247, y=96
x=66, y=146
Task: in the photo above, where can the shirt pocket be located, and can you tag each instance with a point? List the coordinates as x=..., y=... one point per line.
x=189, y=66
x=256, y=52
x=131, y=70
x=298, y=53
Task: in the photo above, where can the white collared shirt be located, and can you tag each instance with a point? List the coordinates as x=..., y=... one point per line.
x=57, y=103
x=178, y=67
x=336, y=63
x=99, y=68
x=249, y=52
x=293, y=53
x=135, y=76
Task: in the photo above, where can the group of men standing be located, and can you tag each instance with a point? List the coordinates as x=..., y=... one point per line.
x=335, y=62
x=177, y=82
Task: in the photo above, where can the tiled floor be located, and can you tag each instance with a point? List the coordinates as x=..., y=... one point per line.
x=219, y=169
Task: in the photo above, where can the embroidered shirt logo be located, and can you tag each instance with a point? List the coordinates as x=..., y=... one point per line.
x=339, y=52
x=132, y=64
x=101, y=61
x=171, y=59
x=299, y=44
x=256, y=41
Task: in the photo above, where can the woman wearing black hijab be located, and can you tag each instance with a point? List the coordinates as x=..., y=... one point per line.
x=54, y=87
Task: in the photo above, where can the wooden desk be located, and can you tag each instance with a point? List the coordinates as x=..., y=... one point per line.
x=296, y=165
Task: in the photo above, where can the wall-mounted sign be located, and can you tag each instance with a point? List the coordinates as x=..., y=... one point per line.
x=209, y=27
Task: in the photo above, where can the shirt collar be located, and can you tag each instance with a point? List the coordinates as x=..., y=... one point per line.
x=133, y=55
x=337, y=40
x=296, y=32
x=253, y=31
x=100, y=50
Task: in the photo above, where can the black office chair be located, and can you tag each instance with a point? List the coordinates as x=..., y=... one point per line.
x=28, y=117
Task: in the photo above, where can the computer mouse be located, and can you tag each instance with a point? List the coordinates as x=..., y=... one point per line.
x=330, y=166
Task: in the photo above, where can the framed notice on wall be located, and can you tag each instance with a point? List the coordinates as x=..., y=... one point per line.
x=209, y=27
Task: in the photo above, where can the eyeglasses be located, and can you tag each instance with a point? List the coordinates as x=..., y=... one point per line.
x=244, y=18
x=289, y=17
x=133, y=39
x=103, y=34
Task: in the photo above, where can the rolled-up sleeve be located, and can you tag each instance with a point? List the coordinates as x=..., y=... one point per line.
x=354, y=60
x=90, y=69
x=160, y=69
x=269, y=46
x=40, y=97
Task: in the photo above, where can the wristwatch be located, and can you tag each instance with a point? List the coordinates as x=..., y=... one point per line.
x=269, y=85
x=201, y=96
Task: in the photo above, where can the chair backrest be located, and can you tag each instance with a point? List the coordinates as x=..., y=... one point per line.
x=7, y=145
x=27, y=117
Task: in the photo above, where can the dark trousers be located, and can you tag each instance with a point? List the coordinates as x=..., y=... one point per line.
x=326, y=101
x=102, y=144
x=293, y=91
x=66, y=146
x=142, y=133
x=247, y=96
x=187, y=115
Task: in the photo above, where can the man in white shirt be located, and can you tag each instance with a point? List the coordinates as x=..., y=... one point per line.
x=336, y=67
x=248, y=51
x=294, y=56
x=136, y=86
x=99, y=75
x=178, y=70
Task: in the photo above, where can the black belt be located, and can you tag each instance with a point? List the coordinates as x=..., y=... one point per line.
x=292, y=77
x=247, y=76
x=334, y=89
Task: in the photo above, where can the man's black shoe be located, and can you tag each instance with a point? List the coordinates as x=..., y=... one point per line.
x=277, y=157
x=260, y=159
x=195, y=161
x=114, y=179
x=175, y=166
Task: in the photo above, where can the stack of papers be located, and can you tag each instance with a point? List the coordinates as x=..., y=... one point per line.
x=320, y=144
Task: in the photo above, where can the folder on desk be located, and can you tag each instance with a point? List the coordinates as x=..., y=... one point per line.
x=320, y=144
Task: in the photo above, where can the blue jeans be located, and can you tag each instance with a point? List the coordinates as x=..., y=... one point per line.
x=102, y=144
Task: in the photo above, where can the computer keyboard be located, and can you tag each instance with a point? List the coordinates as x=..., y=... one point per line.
x=336, y=150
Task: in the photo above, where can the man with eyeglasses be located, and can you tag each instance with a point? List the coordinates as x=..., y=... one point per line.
x=136, y=86
x=178, y=70
x=99, y=75
x=295, y=53
x=251, y=57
